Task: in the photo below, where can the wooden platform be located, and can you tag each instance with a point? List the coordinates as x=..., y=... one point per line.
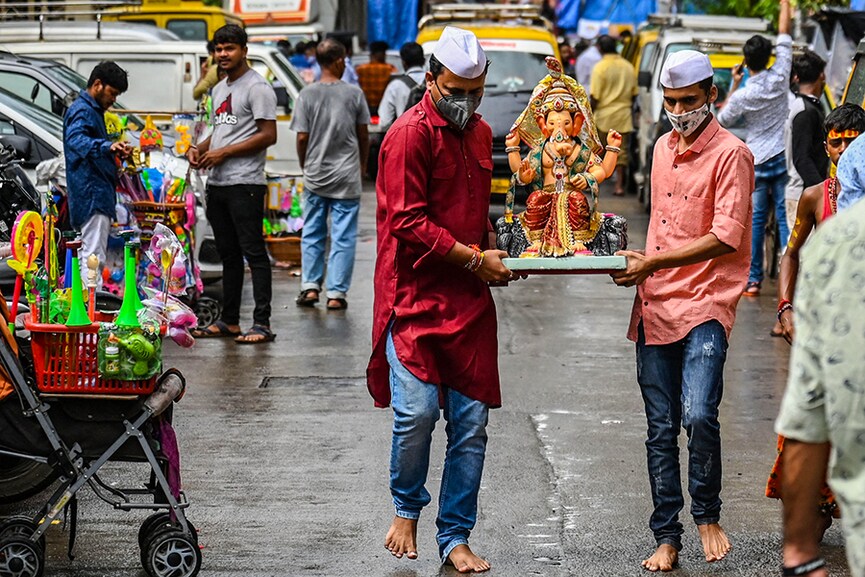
x=567, y=265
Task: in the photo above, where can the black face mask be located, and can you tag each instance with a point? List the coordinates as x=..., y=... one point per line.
x=457, y=108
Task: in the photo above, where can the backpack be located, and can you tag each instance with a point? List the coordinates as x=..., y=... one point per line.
x=415, y=95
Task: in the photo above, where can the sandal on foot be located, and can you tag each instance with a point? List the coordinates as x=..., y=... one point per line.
x=264, y=334
x=337, y=304
x=305, y=299
x=752, y=289
x=214, y=331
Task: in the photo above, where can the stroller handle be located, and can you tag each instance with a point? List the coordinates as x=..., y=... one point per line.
x=170, y=387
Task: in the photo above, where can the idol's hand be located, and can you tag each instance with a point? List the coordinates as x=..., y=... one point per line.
x=512, y=139
x=614, y=139
x=527, y=173
x=579, y=182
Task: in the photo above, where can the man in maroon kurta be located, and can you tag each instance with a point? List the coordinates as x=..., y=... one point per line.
x=434, y=320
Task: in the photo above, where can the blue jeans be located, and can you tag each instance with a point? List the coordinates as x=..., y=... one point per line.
x=682, y=384
x=770, y=179
x=343, y=241
x=415, y=412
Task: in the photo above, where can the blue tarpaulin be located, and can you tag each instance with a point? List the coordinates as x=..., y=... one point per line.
x=392, y=21
x=613, y=11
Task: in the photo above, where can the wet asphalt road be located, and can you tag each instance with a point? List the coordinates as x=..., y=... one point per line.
x=290, y=479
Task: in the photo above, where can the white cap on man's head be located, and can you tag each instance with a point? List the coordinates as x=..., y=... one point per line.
x=685, y=68
x=460, y=52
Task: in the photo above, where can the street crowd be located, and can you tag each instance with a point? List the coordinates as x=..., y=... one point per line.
x=434, y=347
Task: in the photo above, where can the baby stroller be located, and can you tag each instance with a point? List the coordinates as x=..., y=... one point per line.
x=75, y=437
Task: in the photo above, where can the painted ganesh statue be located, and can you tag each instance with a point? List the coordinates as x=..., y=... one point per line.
x=562, y=172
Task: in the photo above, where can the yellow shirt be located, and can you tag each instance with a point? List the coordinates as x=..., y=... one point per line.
x=613, y=85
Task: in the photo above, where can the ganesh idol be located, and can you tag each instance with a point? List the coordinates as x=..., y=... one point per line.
x=562, y=172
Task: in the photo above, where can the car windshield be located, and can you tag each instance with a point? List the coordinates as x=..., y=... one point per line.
x=67, y=77
x=289, y=70
x=514, y=71
x=50, y=122
x=74, y=81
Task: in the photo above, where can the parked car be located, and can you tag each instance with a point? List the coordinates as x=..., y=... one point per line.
x=714, y=34
x=49, y=85
x=517, y=39
x=161, y=79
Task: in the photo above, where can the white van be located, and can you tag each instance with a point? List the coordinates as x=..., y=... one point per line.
x=163, y=74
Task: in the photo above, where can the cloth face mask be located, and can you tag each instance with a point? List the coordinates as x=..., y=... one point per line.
x=458, y=108
x=686, y=123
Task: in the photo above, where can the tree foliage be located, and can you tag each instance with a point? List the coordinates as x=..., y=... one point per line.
x=759, y=8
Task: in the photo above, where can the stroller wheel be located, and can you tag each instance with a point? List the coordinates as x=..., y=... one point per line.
x=157, y=522
x=21, y=557
x=19, y=526
x=207, y=310
x=172, y=553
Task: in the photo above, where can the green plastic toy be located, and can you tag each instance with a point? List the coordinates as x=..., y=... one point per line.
x=128, y=315
x=77, y=312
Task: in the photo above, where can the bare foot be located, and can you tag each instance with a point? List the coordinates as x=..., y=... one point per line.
x=665, y=558
x=401, y=538
x=715, y=542
x=464, y=561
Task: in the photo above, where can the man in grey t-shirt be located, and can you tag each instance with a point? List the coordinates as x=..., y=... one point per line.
x=244, y=125
x=330, y=119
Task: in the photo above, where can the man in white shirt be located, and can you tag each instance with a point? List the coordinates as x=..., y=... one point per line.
x=764, y=105
x=585, y=64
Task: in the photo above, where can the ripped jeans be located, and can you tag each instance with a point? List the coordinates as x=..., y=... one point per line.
x=682, y=384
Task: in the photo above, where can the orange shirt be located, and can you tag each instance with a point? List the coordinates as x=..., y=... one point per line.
x=706, y=189
x=373, y=78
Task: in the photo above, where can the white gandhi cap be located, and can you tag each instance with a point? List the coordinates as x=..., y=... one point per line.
x=685, y=68
x=460, y=52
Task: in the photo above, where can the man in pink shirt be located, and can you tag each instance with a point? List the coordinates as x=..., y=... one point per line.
x=689, y=280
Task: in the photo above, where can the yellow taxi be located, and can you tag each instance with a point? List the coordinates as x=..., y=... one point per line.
x=516, y=40
x=189, y=19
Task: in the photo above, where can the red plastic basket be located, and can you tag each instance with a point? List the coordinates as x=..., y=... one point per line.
x=64, y=359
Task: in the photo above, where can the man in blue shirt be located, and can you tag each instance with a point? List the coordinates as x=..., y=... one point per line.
x=91, y=170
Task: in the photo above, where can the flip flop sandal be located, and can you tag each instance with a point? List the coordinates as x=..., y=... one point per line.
x=266, y=334
x=305, y=300
x=222, y=331
x=341, y=304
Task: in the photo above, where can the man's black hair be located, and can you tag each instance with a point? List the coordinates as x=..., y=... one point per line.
x=230, y=34
x=607, y=44
x=211, y=47
x=845, y=117
x=757, y=51
x=436, y=67
x=329, y=51
x=411, y=54
x=706, y=84
x=109, y=74
x=300, y=48
x=378, y=47
x=808, y=66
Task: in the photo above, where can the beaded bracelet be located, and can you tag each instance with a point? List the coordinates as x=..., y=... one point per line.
x=613, y=149
x=783, y=307
x=804, y=568
x=510, y=149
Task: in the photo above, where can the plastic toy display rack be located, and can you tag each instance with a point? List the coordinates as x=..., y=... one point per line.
x=65, y=362
x=149, y=214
